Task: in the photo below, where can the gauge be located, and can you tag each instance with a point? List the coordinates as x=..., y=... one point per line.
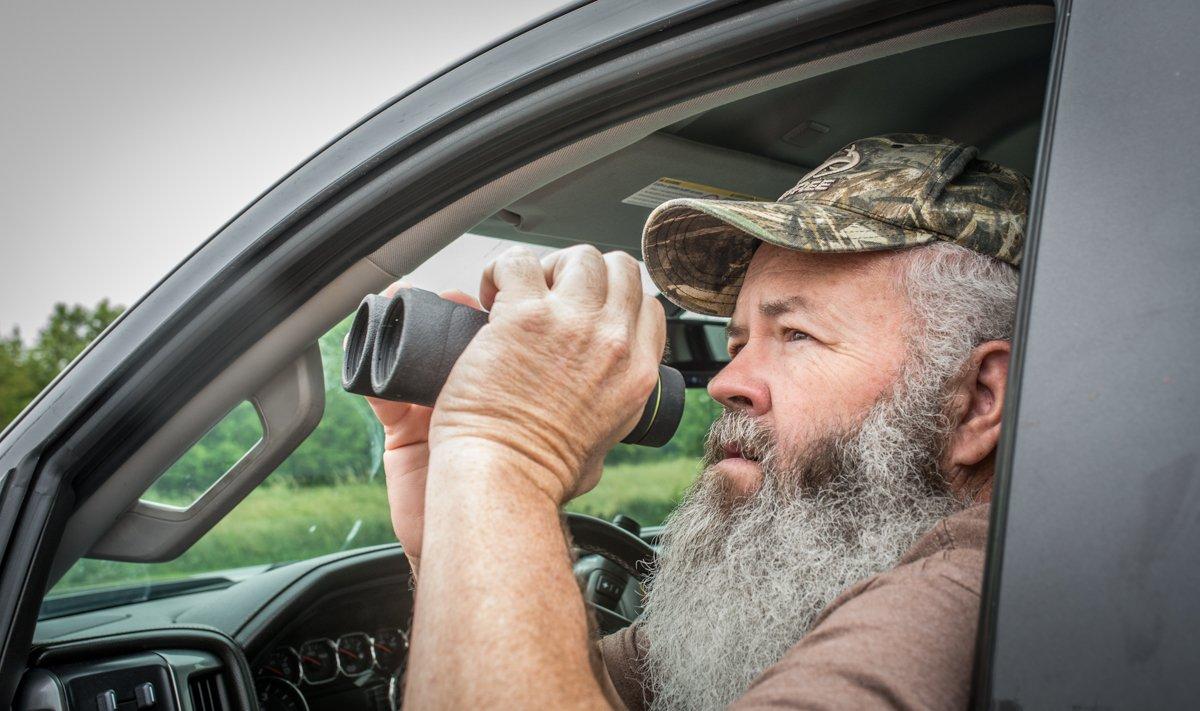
x=275, y=694
x=283, y=663
x=391, y=644
x=396, y=690
x=355, y=654
x=318, y=661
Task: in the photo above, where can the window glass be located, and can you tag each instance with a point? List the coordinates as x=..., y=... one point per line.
x=329, y=495
x=647, y=483
x=677, y=343
x=209, y=459
x=718, y=341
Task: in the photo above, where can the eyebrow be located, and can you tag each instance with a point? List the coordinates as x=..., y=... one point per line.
x=769, y=309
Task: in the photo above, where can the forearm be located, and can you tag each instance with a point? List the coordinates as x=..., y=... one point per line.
x=499, y=618
x=414, y=564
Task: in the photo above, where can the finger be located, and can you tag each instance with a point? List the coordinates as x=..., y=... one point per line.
x=395, y=286
x=624, y=287
x=577, y=274
x=517, y=273
x=460, y=297
x=402, y=423
x=651, y=330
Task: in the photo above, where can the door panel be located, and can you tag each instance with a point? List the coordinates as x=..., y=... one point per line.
x=1097, y=604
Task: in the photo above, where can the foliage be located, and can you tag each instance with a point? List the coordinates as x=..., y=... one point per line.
x=647, y=492
x=213, y=455
x=279, y=523
x=328, y=495
x=699, y=410
x=25, y=371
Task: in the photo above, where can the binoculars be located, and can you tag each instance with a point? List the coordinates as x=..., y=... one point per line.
x=402, y=348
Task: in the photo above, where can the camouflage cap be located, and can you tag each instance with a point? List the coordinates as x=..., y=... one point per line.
x=884, y=192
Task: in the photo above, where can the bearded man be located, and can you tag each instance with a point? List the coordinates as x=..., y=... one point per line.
x=830, y=553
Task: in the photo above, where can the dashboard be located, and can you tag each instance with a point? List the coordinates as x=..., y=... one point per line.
x=326, y=634
x=346, y=653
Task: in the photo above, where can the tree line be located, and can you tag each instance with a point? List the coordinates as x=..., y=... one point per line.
x=346, y=445
x=25, y=370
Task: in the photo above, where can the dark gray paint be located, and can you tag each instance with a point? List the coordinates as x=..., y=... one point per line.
x=605, y=63
x=1099, y=589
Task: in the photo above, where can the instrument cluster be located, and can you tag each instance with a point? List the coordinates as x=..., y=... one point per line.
x=352, y=657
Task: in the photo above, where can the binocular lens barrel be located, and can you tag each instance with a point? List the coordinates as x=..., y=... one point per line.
x=403, y=349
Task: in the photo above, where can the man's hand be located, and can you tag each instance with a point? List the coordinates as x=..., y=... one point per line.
x=562, y=370
x=406, y=455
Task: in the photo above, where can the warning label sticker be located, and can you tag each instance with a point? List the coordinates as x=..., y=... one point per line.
x=665, y=189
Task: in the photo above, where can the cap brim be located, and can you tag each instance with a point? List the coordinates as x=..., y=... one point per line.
x=697, y=251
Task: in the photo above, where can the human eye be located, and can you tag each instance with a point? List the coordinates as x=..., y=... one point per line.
x=794, y=334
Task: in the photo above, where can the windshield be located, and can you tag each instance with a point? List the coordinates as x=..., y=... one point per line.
x=329, y=494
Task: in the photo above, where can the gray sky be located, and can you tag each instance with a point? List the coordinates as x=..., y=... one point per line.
x=133, y=130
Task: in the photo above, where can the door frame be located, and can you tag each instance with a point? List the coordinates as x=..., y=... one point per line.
x=593, y=66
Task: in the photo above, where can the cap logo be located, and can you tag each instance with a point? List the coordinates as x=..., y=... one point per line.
x=819, y=178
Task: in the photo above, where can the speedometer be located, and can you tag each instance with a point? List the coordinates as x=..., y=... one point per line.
x=283, y=663
x=318, y=661
x=275, y=694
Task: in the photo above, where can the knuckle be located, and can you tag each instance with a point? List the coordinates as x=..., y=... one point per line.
x=533, y=317
x=616, y=347
x=581, y=253
x=514, y=254
x=655, y=307
x=622, y=261
x=646, y=377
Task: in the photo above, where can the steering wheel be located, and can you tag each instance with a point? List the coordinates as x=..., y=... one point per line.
x=611, y=584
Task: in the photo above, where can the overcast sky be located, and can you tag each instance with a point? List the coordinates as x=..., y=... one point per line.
x=133, y=130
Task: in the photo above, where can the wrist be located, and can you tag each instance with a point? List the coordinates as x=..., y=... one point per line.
x=467, y=464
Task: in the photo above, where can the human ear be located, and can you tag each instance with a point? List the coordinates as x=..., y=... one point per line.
x=978, y=405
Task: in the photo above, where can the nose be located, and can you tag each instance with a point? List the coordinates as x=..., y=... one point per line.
x=740, y=385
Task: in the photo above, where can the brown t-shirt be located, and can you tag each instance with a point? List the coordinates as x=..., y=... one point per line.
x=902, y=639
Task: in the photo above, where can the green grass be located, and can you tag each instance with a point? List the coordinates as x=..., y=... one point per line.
x=273, y=524
x=281, y=523
x=647, y=492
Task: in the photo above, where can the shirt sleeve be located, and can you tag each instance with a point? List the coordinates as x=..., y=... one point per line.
x=622, y=653
x=904, y=639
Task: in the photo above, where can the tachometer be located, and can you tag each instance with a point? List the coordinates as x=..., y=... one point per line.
x=275, y=694
x=318, y=661
x=283, y=663
x=391, y=644
x=355, y=654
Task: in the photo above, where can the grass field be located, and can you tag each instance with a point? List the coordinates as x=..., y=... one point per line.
x=280, y=523
x=647, y=492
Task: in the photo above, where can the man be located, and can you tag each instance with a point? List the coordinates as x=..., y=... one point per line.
x=830, y=553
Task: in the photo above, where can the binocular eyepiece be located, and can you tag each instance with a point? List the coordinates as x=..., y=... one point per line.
x=403, y=349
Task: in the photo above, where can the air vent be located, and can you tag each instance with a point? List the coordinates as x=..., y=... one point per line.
x=208, y=693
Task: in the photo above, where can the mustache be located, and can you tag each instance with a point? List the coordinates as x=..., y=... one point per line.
x=736, y=434
x=790, y=471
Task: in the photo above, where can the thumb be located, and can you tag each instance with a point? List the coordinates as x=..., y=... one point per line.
x=460, y=297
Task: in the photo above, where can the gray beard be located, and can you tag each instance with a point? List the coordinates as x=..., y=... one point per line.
x=738, y=582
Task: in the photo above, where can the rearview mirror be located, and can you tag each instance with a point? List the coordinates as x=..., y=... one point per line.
x=696, y=347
